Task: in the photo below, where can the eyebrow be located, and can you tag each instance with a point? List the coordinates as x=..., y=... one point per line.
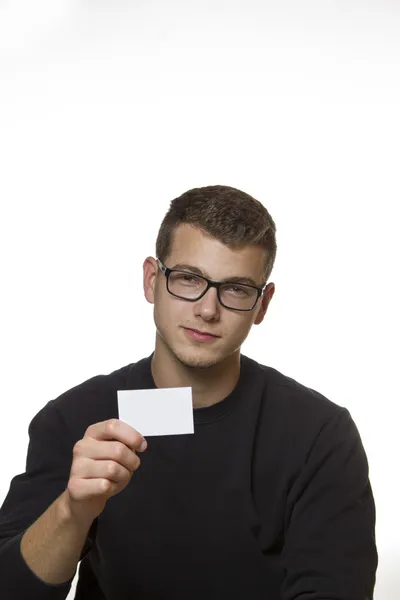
x=233, y=279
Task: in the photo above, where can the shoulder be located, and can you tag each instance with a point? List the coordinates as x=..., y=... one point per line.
x=300, y=422
x=292, y=404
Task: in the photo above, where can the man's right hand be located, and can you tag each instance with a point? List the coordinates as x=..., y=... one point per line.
x=104, y=461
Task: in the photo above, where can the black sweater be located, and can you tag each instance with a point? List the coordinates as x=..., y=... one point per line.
x=269, y=499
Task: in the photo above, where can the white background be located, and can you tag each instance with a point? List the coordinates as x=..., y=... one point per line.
x=111, y=109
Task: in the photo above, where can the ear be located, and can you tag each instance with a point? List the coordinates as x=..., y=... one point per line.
x=150, y=270
x=265, y=300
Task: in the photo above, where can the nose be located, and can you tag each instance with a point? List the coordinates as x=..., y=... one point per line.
x=208, y=306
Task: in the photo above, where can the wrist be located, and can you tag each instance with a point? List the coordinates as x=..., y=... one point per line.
x=67, y=516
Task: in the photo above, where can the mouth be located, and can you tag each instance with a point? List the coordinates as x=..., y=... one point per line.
x=203, y=332
x=200, y=335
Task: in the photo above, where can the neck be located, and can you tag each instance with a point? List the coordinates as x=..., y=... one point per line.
x=211, y=382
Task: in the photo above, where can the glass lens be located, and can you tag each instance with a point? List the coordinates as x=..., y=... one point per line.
x=233, y=295
x=236, y=295
x=186, y=285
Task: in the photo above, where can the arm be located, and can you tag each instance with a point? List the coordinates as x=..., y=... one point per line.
x=50, y=509
x=33, y=518
x=52, y=546
x=329, y=551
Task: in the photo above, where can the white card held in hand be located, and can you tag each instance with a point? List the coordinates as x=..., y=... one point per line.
x=160, y=411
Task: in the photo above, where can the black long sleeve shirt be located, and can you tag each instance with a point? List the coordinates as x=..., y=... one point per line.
x=269, y=499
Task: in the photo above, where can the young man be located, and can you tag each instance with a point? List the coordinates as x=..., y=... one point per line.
x=269, y=499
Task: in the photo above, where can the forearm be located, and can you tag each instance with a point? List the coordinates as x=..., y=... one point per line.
x=52, y=545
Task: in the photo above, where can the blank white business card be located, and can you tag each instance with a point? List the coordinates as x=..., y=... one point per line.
x=160, y=411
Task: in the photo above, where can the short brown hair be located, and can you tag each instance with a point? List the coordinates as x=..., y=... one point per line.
x=225, y=213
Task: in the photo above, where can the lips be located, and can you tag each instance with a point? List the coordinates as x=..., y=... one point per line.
x=202, y=332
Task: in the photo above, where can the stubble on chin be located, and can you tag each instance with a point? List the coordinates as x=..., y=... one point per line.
x=193, y=361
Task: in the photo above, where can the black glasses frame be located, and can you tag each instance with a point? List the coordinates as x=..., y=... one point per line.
x=210, y=283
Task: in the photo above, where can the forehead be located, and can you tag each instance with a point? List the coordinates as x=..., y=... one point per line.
x=191, y=246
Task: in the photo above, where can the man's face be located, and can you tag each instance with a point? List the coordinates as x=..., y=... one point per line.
x=173, y=315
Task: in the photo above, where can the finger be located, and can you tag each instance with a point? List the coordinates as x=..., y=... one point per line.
x=108, y=469
x=88, y=448
x=85, y=489
x=114, y=429
x=86, y=468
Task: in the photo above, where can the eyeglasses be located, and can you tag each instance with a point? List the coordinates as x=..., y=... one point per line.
x=192, y=287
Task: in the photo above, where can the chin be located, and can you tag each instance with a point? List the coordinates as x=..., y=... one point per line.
x=194, y=360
